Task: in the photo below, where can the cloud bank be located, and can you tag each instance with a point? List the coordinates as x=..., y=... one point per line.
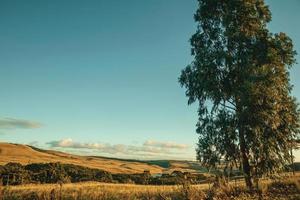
x=11, y=123
x=149, y=149
x=168, y=145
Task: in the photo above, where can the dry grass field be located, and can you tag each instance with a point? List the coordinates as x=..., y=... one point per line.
x=284, y=188
x=288, y=188
x=93, y=190
x=25, y=155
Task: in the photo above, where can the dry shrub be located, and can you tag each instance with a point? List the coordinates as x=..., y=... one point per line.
x=221, y=189
x=263, y=188
x=284, y=187
x=188, y=192
x=31, y=196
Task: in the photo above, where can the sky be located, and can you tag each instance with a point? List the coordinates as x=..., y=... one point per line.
x=101, y=77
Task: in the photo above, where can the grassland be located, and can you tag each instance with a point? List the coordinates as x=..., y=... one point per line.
x=283, y=188
x=24, y=154
x=92, y=190
x=288, y=188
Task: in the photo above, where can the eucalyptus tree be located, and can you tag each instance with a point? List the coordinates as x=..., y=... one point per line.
x=240, y=79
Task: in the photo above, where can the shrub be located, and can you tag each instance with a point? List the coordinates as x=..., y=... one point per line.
x=14, y=174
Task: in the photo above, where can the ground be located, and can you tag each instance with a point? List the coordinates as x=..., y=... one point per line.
x=287, y=188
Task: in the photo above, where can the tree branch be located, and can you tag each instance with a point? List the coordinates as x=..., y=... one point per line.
x=231, y=102
x=229, y=107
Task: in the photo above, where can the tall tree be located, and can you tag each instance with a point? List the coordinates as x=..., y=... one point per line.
x=240, y=78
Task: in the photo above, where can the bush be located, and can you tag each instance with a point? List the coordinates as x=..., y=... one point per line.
x=14, y=174
x=48, y=173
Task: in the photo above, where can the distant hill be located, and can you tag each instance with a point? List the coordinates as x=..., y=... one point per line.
x=25, y=154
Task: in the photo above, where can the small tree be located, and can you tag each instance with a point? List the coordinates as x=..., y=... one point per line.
x=240, y=79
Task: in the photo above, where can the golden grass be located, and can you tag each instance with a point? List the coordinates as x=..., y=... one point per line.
x=286, y=188
x=25, y=155
x=94, y=190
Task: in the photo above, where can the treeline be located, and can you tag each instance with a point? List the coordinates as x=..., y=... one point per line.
x=16, y=174
x=175, y=178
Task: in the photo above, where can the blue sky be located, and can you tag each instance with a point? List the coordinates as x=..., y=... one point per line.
x=100, y=77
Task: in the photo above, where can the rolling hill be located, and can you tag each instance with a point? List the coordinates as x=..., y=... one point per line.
x=25, y=154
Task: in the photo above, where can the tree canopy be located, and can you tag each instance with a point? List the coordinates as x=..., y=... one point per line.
x=240, y=79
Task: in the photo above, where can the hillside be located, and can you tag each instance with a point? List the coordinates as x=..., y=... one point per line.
x=25, y=154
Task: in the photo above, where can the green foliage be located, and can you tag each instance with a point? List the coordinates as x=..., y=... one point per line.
x=240, y=78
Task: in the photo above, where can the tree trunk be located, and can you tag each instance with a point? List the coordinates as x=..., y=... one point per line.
x=293, y=164
x=245, y=161
x=243, y=149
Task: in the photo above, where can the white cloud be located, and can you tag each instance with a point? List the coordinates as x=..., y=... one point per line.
x=165, y=145
x=149, y=149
